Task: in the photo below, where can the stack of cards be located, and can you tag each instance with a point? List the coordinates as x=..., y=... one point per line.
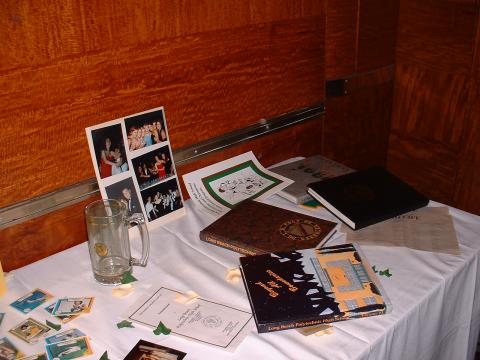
x=8, y=351
x=30, y=301
x=67, y=309
x=70, y=344
x=30, y=330
x=72, y=306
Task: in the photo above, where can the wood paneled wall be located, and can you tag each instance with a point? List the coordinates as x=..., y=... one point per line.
x=360, y=47
x=434, y=139
x=214, y=65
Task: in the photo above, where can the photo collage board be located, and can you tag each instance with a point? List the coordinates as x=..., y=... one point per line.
x=133, y=163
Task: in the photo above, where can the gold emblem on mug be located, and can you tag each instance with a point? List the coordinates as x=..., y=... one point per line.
x=101, y=249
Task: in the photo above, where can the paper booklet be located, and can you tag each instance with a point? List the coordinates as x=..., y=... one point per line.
x=133, y=163
x=305, y=171
x=205, y=321
x=217, y=188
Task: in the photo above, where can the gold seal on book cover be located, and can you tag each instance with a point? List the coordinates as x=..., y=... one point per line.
x=300, y=229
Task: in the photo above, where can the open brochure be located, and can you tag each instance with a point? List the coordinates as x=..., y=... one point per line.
x=217, y=188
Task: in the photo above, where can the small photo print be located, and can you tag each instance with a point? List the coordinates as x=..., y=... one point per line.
x=153, y=167
x=70, y=349
x=41, y=356
x=124, y=191
x=64, y=336
x=145, y=350
x=162, y=199
x=30, y=301
x=30, y=330
x=72, y=306
x=8, y=351
x=64, y=318
x=109, y=150
x=146, y=129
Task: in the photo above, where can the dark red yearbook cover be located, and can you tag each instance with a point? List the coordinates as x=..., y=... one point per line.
x=255, y=228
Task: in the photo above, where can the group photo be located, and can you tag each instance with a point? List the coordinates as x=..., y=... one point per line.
x=109, y=150
x=153, y=167
x=145, y=130
x=162, y=199
x=124, y=191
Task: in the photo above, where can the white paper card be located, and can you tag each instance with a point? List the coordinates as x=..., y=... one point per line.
x=217, y=188
x=205, y=321
x=133, y=163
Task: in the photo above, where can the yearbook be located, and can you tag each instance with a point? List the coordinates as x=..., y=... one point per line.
x=255, y=228
x=366, y=197
x=310, y=287
x=305, y=171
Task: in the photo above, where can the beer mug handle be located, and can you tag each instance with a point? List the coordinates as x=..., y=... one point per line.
x=139, y=220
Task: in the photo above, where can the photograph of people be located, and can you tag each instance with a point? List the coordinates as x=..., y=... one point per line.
x=162, y=199
x=124, y=191
x=109, y=150
x=153, y=167
x=146, y=129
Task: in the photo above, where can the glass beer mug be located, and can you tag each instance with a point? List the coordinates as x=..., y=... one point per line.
x=108, y=241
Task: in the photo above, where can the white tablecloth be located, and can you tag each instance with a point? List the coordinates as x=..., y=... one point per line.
x=436, y=305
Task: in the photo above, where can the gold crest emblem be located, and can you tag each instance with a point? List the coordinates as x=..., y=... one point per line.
x=299, y=229
x=101, y=249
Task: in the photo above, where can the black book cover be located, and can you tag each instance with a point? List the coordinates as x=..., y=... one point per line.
x=366, y=197
x=309, y=287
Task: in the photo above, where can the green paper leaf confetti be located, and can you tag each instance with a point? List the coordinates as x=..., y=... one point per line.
x=162, y=329
x=104, y=356
x=53, y=325
x=127, y=277
x=385, y=272
x=374, y=269
x=125, y=324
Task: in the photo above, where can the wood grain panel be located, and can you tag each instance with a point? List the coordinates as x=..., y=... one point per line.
x=430, y=104
x=36, y=33
x=340, y=38
x=304, y=139
x=209, y=83
x=377, y=33
x=357, y=124
x=36, y=239
x=429, y=167
x=467, y=193
x=437, y=34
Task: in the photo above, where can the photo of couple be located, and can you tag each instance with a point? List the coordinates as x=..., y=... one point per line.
x=153, y=167
x=124, y=191
x=110, y=151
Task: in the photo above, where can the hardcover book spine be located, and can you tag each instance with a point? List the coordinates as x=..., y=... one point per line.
x=262, y=328
x=212, y=239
